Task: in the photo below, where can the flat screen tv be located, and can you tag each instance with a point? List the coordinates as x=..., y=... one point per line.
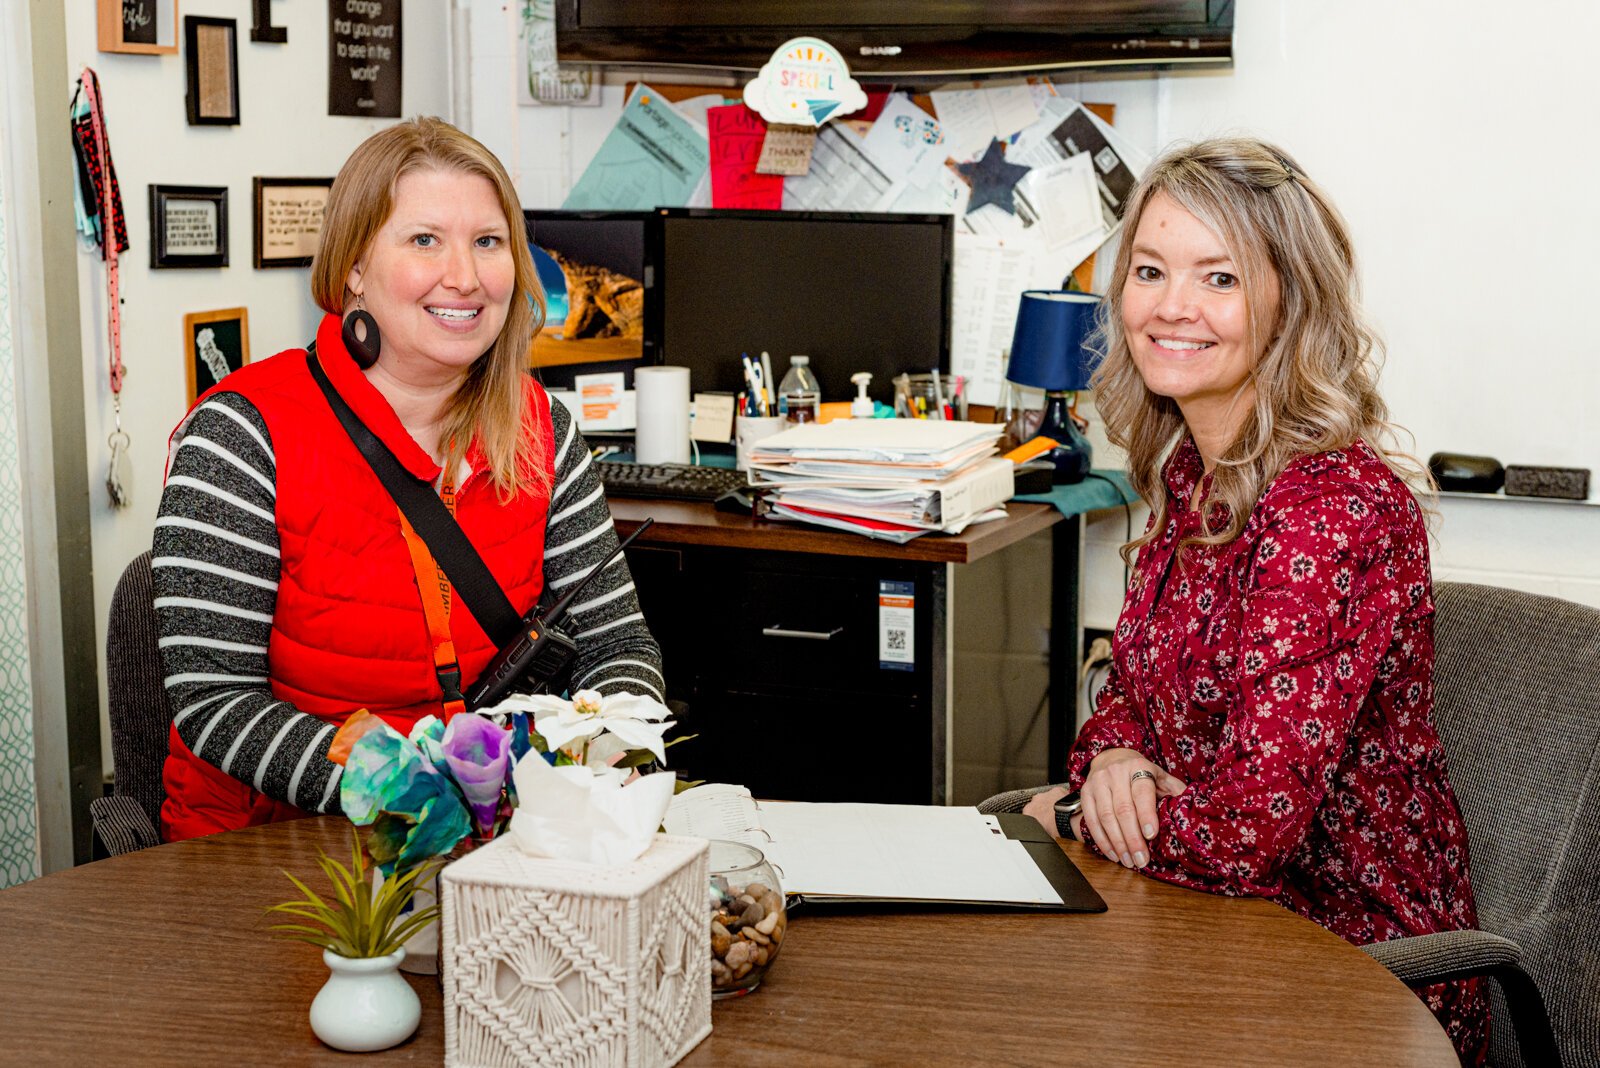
x=855, y=291
x=594, y=268
x=903, y=38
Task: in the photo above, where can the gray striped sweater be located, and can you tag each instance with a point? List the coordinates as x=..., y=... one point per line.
x=216, y=566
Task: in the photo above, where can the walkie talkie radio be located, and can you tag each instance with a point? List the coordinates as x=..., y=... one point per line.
x=540, y=651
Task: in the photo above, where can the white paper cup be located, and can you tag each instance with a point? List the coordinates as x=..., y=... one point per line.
x=749, y=429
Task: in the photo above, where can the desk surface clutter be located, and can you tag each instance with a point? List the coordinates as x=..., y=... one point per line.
x=161, y=956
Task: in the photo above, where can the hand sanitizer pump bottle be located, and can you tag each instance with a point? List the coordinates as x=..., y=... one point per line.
x=861, y=404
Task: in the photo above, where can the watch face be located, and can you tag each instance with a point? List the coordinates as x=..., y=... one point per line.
x=1070, y=805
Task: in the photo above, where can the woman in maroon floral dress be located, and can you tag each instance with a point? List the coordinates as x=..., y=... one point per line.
x=1266, y=729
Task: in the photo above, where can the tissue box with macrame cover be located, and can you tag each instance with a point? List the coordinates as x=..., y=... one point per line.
x=550, y=961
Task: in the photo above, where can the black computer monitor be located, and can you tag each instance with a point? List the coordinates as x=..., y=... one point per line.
x=855, y=291
x=609, y=247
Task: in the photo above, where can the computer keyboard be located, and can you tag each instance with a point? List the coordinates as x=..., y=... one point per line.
x=669, y=481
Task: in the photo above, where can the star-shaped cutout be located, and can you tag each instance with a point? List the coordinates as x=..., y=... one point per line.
x=993, y=179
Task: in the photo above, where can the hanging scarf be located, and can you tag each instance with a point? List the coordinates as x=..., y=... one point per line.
x=100, y=199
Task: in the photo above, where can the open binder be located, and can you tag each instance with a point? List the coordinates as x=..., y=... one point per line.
x=912, y=854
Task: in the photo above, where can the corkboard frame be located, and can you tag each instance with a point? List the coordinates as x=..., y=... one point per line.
x=111, y=29
x=195, y=55
x=231, y=321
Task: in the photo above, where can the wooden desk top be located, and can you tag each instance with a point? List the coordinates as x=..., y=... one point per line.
x=162, y=957
x=693, y=523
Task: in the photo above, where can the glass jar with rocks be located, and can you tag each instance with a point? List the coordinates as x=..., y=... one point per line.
x=748, y=918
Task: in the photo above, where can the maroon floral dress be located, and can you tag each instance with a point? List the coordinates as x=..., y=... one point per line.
x=1287, y=678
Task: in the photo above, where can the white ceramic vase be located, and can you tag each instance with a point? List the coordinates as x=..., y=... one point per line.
x=366, y=1003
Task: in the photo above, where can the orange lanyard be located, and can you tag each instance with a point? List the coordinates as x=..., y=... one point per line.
x=436, y=597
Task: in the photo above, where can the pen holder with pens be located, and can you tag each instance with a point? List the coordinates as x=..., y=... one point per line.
x=921, y=397
x=748, y=918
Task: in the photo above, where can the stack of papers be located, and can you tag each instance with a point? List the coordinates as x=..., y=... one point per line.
x=892, y=479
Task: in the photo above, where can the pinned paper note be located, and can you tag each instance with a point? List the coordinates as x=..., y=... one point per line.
x=737, y=136
x=786, y=150
x=713, y=417
x=653, y=157
x=971, y=118
x=842, y=176
x=805, y=83
x=906, y=140
x=603, y=403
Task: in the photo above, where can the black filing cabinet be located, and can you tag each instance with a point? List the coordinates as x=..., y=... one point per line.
x=777, y=656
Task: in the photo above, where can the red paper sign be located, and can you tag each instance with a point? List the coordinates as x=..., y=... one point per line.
x=736, y=136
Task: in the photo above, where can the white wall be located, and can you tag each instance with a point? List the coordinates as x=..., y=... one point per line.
x=285, y=131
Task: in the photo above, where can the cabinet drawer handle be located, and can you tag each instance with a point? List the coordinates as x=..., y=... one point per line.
x=814, y=635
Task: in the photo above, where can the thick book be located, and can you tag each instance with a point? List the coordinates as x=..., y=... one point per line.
x=914, y=854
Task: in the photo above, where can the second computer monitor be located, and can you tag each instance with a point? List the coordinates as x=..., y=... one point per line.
x=853, y=291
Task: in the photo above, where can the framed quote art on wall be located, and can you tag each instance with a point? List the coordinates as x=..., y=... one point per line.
x=188, y=226
x=288, y=219
x=211, y=64
x=216, y=344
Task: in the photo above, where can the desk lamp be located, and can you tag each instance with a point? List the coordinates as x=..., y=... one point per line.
x=1048, y=353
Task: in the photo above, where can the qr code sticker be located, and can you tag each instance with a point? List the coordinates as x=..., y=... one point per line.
x=897, y=639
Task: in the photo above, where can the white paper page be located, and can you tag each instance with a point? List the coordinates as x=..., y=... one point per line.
x=906, y=141
x=989, y=276
x=1067, y=200
x=900, y=851
x=716, y=810
x=971, y=118
x=842, y=176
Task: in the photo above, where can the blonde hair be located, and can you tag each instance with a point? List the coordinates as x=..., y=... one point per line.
x=489, y=404
x=1317, y=373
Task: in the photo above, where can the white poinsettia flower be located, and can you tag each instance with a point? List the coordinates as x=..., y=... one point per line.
x=636, y=721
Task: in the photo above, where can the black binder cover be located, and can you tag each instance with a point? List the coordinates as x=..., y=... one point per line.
x=1064, y=877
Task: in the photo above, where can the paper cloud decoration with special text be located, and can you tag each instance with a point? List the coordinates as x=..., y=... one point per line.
x=805, y=83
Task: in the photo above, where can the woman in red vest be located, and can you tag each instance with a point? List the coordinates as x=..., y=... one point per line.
x=1267, y=726
x=289, y=590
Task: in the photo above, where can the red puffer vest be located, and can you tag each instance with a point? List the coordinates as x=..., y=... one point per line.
x=348, y=630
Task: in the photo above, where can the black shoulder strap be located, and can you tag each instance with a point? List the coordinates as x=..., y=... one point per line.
x=430, y=519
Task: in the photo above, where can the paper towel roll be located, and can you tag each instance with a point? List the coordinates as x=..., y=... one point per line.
x=663, y=413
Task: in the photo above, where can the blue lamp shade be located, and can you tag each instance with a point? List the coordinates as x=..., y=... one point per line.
x=1048, y=350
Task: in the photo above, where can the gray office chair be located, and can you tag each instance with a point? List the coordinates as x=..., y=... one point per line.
x=1517, y=706
x=140, y=717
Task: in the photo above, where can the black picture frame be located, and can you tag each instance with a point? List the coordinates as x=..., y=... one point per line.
x=176, y=227
x=269, y=196
x=211, y=65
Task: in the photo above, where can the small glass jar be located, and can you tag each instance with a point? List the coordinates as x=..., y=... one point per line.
x=918, y=397
x=748, y=918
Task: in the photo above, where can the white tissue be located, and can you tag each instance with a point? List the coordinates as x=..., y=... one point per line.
x=575, y=813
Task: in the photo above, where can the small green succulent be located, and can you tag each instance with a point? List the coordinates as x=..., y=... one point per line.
x=359, y=921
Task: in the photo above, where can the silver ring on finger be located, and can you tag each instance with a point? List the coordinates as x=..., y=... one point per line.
x=1142, y=773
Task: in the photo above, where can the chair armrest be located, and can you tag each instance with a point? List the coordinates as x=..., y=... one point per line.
x=1422, y=960
x=1009, y=801
x=123, y=826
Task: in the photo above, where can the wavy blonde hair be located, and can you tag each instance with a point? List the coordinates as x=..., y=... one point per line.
x=488, y=405
x=1317, y=373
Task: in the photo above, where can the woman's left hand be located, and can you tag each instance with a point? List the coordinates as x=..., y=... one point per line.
x=1042, y=807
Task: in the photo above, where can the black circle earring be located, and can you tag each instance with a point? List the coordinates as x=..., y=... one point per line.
x=364, y=350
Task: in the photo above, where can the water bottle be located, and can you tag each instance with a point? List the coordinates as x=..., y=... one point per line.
x=800, y=395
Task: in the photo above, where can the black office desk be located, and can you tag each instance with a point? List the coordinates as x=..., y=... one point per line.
x=818, y=718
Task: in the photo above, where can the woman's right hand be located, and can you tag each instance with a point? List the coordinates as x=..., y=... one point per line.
x=1119, y=803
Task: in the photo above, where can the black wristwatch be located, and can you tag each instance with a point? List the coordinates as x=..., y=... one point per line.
x=1067, y=809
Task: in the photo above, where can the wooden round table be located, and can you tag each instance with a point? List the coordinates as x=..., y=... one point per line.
x=163, y=957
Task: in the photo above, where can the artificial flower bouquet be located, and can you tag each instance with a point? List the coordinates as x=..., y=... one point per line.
x=424, y=793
